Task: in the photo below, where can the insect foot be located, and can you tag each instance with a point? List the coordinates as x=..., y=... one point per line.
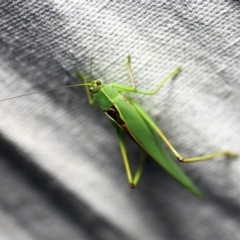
x=181, y=159
x=132, y=186
x=231, y=154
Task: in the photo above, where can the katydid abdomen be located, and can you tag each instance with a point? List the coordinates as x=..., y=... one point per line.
x=138, y=129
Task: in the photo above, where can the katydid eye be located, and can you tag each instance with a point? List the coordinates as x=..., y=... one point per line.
x=91, y=89
x=98, y=82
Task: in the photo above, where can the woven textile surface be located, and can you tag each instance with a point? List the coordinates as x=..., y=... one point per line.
x=61, y=171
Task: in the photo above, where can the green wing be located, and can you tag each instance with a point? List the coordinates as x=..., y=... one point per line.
x=136, y=119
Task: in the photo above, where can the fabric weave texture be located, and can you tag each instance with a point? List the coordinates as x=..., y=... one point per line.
x=61, y=172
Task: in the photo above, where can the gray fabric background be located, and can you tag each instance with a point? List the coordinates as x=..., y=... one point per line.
x=61, y=173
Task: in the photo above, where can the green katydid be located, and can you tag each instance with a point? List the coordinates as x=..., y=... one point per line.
x=129, y=117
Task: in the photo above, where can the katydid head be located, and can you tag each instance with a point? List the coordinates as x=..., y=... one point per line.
x=96, y=86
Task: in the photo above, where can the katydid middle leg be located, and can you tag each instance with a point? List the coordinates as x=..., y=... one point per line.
x=132, y=180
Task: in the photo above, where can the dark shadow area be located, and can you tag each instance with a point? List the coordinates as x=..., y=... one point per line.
x=225, y=203
x=77, y=212
x=162, y=192
x=164, y=198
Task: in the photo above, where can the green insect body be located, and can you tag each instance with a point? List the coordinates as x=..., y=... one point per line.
x=128, y=116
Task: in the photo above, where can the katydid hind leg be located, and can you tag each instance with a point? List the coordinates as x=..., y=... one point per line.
x=150, y=121
x=132, y=180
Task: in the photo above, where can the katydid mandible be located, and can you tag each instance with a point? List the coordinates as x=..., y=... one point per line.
x=129, y=117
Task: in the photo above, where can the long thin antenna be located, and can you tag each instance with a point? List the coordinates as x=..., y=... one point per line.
x=47, y=90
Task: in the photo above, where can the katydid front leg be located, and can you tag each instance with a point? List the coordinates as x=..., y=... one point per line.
x=124, y=88
x=91, y=100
